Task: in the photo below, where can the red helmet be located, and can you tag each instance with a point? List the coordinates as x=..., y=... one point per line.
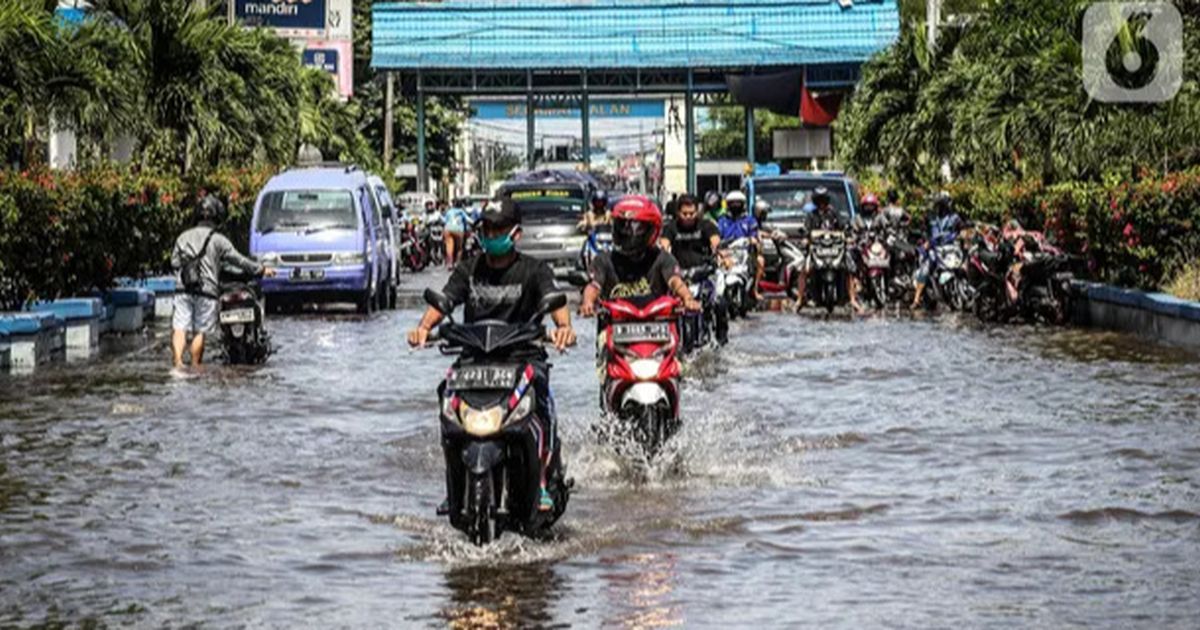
x=870, y=199
x=637, y=224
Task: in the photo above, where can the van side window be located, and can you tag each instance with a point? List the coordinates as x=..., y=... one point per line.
x=373, y=206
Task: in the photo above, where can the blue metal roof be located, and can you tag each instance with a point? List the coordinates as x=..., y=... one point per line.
x=613, y=34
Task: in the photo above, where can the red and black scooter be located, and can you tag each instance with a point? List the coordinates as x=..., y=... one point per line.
x=640, y=391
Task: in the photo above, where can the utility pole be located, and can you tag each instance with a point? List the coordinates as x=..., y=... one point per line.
x=388, y=114
x=933, y=19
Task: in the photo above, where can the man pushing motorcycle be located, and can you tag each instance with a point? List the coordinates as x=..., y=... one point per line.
x=503, y=284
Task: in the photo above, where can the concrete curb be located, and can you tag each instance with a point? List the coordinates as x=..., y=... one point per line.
x=1153, y=315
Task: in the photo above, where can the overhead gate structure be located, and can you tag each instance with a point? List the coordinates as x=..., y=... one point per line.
x=560, y=53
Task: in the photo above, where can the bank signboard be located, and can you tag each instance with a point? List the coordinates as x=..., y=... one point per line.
x=291, y=18
x=334, y=57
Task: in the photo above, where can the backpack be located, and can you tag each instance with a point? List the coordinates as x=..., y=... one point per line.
x=190, y=275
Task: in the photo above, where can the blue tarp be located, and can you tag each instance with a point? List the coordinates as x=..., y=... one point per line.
x=131, y=296
x=548, y=34
x=72, y=308
x=27, y=323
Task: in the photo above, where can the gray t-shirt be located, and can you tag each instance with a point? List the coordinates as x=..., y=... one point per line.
x=220, y=252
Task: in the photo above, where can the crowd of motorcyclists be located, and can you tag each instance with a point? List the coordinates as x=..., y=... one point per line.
x=662, y=287
x=439, y=234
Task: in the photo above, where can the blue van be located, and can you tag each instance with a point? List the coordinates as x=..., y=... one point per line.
x=324, y=231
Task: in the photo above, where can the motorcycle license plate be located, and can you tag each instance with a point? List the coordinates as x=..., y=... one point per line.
x=946, y=277
x=657, y=332
x=307, y=275
x=482, y=377
x=828, y=252
x=237, y=316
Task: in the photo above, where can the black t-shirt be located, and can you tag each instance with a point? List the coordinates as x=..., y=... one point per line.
x=692, y=248
x=621, y=277
x=511, y=294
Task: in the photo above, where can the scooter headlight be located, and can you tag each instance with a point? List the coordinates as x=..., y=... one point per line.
x=644, y=369
x=481, y=422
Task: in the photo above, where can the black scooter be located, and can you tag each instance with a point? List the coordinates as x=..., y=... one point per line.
x=490, y=433
x=242, y=317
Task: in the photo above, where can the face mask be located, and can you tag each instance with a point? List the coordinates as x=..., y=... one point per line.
x=497, y=246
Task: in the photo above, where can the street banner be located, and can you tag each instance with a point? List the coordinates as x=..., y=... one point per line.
x=500, y=110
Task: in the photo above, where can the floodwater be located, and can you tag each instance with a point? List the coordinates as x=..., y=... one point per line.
x=872, y=473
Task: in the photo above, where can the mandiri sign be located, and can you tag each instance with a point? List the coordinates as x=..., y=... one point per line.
x=291, y=17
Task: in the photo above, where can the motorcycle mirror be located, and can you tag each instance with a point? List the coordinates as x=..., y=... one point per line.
x=552, y=303
x=439, y=302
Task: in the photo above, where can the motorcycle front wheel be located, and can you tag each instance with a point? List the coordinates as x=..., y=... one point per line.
x=481, y=526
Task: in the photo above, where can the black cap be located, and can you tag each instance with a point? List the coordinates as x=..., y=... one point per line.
x=503, y=214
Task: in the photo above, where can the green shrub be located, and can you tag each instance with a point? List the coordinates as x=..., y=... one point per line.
x=63, y=234
x=1138, y=234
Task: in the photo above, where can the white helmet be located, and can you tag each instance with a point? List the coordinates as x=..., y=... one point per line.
x=735, y=203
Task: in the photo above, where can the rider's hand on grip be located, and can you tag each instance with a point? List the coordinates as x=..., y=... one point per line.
x=418, y=337
x=562, y=338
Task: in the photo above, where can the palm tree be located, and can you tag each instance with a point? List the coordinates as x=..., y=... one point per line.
x=55, y=74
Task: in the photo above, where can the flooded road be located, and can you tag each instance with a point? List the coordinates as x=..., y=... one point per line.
x=874, y=473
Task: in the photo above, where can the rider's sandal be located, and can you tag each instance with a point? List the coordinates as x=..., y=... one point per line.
x=545, y=501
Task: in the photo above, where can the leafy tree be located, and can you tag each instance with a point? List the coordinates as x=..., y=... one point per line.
x=443, y=116
x=1002, y=99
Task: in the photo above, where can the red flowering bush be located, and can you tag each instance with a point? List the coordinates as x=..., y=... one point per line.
x=63, y=234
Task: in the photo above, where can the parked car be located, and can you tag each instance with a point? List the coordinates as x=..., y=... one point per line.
x=323, y=231
x=787, y=196
x=550, y=216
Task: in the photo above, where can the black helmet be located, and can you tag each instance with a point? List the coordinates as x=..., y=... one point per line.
x=210, y=210
x=820, y=196
x=943, y=204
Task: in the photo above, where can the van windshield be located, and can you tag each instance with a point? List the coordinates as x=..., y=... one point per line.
x=787, y=197
x=307, y=211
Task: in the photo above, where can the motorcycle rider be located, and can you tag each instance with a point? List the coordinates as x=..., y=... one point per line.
x=712, y=205
x=456, y=232
x=597, y=213
x=636, y=266
x=826, y=218
x=945, y=224
x=737, y=224
x=503, y=284
x=196, y=307
x=694, y=241
x=893, y=212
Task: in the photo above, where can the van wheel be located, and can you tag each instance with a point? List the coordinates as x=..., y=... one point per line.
x=365, y=303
